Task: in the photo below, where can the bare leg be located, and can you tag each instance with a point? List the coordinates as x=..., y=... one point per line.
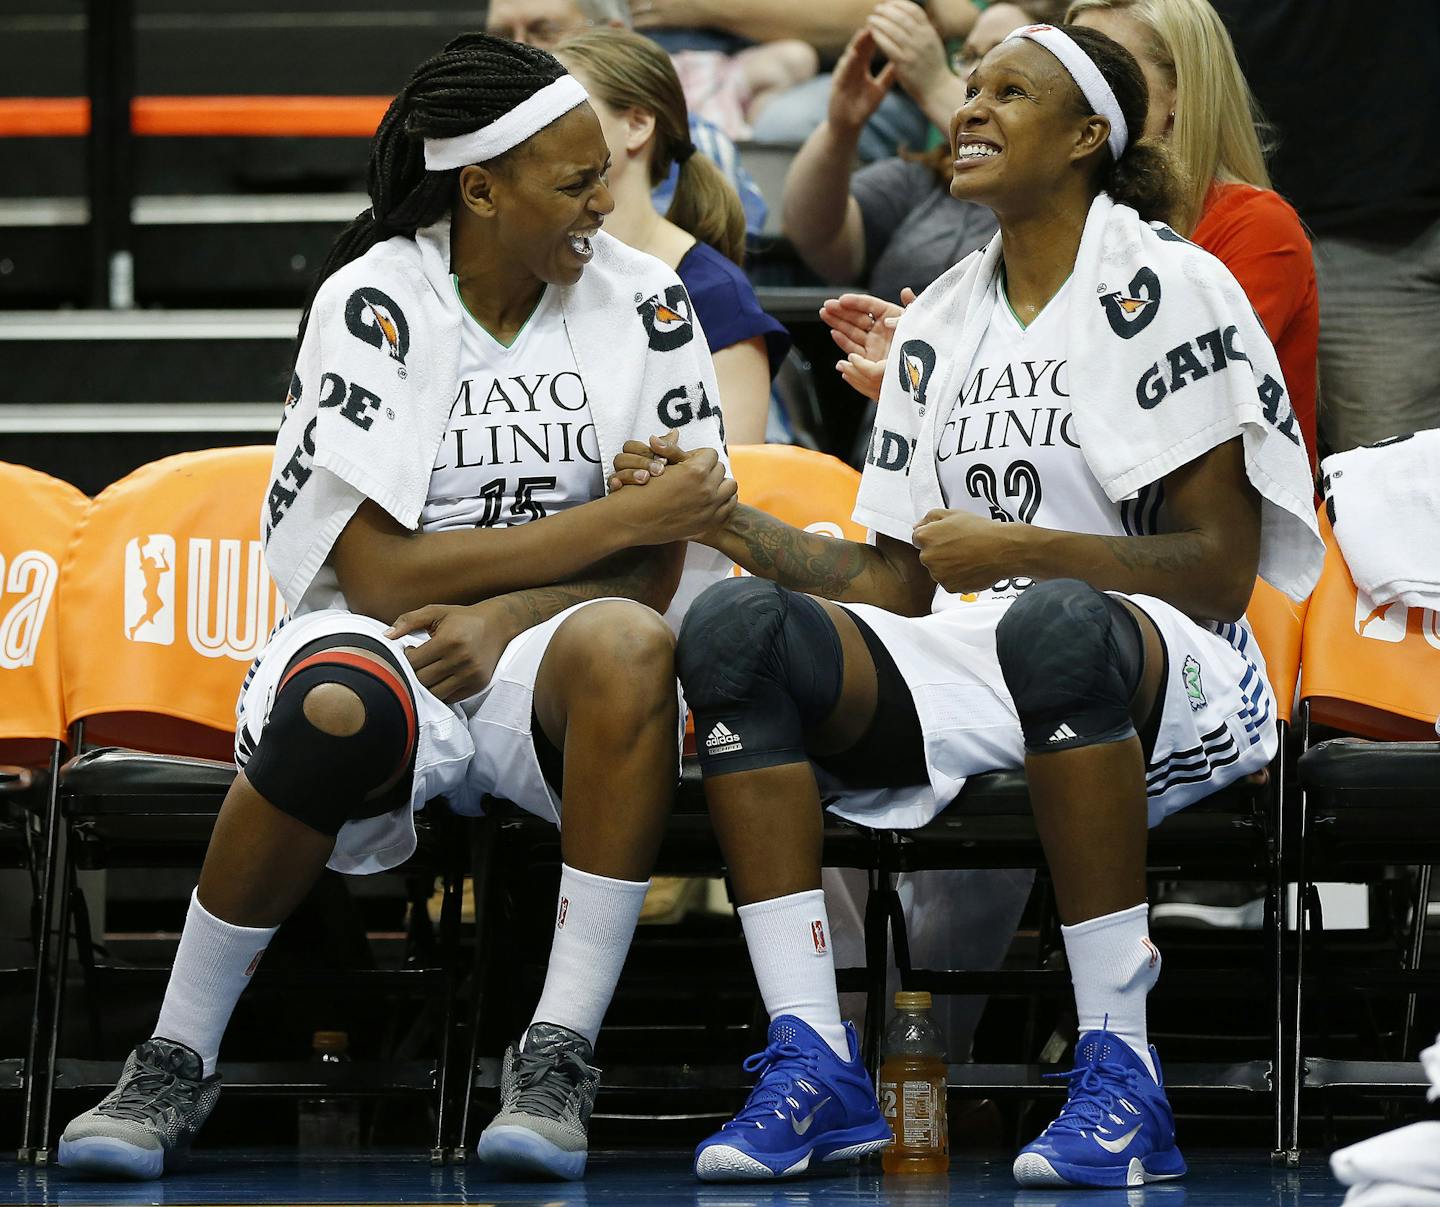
x=605, y=695
x=1090, y=809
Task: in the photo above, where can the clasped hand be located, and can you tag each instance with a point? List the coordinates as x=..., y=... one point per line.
x=963, y=552
x=689, y=494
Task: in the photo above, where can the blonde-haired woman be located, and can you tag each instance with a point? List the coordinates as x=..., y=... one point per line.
x=1200, y=103
x=637, y=96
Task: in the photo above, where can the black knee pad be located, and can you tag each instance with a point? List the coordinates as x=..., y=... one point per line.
x=324, y=780
x=759, y=664
x=1072, y=658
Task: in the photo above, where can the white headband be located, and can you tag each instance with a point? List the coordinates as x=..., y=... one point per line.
x=1098, y=94
x=528, y=117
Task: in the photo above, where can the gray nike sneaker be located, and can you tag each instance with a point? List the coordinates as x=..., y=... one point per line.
x=547, y=1091
x=145, y=1124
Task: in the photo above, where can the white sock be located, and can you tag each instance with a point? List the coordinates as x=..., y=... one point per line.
x=212, y=967
x=594, y=923
x=789, y=941
x=1113, y=966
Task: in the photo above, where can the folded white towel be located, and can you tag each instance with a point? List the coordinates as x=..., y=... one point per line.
x=1430, y=1060
x=1408, y=1155
x=378, y=371
x=1391, y=1194
x=1384, y=503
x=1166, y=362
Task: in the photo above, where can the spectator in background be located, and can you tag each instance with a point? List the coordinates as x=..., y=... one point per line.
x=544, y=23
x=893, y=224
x=1374, y=210
x=636, y=95
x=1199, y=100
x=732, y=25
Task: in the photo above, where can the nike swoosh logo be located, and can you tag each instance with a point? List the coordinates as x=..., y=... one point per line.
x=1115, y=1146
x=802, y=1126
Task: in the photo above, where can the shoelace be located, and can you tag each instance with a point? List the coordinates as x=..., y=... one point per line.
x=774, y=1082
x=1093, y=1091
x=540, y=1092
x=140, y=1100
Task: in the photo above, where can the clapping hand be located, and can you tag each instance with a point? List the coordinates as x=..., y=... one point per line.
x=863, y=327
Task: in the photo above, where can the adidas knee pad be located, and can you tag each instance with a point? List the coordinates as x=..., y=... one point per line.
x=322, y=779
x=1072, y=658
x=759, y=664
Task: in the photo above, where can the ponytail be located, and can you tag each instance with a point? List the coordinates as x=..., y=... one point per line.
x=476, y=79
x=626, y=70
x=707, y=205
x=1149, y=181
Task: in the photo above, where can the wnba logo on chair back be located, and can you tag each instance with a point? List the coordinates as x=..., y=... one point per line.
x=229, y=602
x=1391, y=622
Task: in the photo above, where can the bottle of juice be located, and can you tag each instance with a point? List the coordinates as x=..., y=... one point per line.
x=912, y=1089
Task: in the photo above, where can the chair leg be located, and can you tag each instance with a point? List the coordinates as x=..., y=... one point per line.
x=454, y=881
x=57, y=1003
x=1275, y=926
x=485, y=834
x=1296, y=1071
x=44, y=950
x=1417, y=952
x=877, y=964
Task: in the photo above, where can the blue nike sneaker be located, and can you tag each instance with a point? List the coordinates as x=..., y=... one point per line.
x=808, y=1106
x=1116, y=1129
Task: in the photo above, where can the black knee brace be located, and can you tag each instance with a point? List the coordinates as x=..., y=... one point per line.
x=759, y=664
x=1072, y=658
x=324, y=780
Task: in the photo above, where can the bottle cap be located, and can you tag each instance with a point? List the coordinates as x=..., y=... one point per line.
x=330, y=1041
x=912, y=1001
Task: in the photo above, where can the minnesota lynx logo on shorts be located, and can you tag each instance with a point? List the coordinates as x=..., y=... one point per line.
x=373, y=318
x=667, y=321
x=917, y=366
x=1131, y=312
x=1190, y=676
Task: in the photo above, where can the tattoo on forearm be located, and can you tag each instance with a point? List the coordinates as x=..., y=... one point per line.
x=1171, y=553
x=802, y=561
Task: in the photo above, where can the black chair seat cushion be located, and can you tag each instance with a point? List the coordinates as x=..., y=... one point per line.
x=115, y=772
x=1376, y=769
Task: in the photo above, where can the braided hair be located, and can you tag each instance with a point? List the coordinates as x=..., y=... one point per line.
x=475, y=80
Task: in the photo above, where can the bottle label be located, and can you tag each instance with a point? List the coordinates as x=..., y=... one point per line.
x=917, y=1106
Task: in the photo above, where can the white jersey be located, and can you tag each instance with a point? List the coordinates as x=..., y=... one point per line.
x=1008, y=450
x=520, y=443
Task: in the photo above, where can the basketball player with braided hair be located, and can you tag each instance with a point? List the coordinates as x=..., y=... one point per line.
x=469, y=612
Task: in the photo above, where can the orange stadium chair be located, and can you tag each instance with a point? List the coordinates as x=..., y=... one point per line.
x=810, y=490
x=167, y=603
x=1368, y=803
x=36, y=526
x=1234, y=835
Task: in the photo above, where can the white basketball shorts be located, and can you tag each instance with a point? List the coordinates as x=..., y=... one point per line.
x=464, y=752
x=1217, y=722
